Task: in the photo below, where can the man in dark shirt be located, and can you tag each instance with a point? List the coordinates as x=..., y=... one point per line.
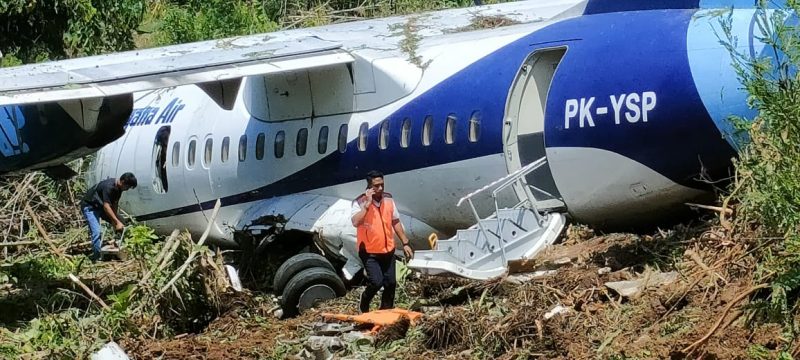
x=102, y=200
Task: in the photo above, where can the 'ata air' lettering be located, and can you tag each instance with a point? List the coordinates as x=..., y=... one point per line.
x=146, y=115
x=633, y=107
x=170, y=111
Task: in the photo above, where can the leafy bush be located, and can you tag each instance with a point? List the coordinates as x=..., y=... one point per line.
x=767, y=186
x=42, y=268
x=139, y=243
x=197, y=20
x=36, y=31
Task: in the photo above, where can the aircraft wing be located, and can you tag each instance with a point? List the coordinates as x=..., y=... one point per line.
x=142, y=70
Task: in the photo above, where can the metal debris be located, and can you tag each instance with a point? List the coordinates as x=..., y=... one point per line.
x=110, y=351
x=558, y=309
x=632, y=288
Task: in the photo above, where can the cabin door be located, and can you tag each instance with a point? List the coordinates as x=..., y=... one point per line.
x=523, y=133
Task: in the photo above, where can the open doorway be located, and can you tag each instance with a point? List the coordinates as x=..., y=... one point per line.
x=160, y=183
x=523, y=134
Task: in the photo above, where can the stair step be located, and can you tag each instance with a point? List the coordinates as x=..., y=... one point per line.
x=524, y=217
x=438, y=267
x=478, y=239
x=508, y=232
x=469, y=254
x=433, y=254
x=492, y=223
x=461, y=249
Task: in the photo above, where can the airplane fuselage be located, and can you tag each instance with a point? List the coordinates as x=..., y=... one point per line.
x=629, y=108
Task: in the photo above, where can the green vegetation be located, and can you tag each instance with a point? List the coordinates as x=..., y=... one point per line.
x=160, y=292
x=766, y=190
x=37, y=31
x=55, y=320
x=196, y=20
x=44, y=314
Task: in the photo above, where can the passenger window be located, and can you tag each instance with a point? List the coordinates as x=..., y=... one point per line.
x=363, y=131
x=302, y=141
x=243, y=148
x=280, y=138
x=322, y=141
x=226, y=145
x=450, y=129
x=176, y=154
x=191, y=153
x=405, y=133
x=427, y=130
x=342, y=145
x=384, y=138
x=475, y=126
x=207, y=153
x=260, y=146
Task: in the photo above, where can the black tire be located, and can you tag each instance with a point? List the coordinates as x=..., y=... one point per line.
x=320, y=278
x=296, y=264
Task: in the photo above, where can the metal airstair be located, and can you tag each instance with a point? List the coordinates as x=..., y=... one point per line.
x=484, y=250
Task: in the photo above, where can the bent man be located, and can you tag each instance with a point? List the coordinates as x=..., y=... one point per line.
x=376, y=218
x=102, y=201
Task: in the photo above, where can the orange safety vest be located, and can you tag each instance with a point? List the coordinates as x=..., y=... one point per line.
x=376, y=234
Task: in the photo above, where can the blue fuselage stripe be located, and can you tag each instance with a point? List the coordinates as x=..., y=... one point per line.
x=618, y=53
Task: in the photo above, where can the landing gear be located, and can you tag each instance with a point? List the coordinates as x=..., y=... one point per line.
x=296, y=264
x=304, y=280
x=308, y=288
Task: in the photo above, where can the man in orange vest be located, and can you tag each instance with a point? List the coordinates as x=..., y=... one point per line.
x=376, y=218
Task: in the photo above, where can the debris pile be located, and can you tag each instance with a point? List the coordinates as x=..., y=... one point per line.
x=655, y=296
x=75, y=306
x=40, y=213
x=681, y=293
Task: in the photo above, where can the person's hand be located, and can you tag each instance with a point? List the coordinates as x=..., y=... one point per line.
x=408, y=251
x=369, y=194
x=118, y=227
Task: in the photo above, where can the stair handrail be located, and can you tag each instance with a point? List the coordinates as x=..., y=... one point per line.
x=508, y=179
x=518, y=178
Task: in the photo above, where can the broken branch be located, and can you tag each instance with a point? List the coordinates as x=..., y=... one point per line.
x=696, y=258
x=718, y=209
x=714, y=328
x=195, y=251
x=88, y=291
x=161, y=255
x=42, y=231
x=18, y=243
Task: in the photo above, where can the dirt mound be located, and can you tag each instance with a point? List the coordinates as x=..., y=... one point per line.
x=570, y=311
x=244, y=330
x=676, y=294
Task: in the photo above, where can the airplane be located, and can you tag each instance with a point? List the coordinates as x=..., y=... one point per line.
x=609, y=113
x=47, y=135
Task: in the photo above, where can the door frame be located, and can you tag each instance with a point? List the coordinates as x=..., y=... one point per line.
x=511, y=125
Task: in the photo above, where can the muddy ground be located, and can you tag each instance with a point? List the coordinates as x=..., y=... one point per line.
x=698, y=313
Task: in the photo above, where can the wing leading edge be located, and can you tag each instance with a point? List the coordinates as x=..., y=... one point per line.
x=134, y=71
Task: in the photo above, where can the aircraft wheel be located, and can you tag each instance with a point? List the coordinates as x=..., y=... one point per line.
x=309, y=287
x=296, y=264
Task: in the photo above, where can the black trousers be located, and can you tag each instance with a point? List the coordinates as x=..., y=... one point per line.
x=380, y=272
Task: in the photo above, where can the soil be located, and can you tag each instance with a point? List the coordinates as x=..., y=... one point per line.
x=503, y=320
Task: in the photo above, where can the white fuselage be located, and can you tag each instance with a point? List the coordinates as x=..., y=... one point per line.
x=443, y=111
x=384, y=81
